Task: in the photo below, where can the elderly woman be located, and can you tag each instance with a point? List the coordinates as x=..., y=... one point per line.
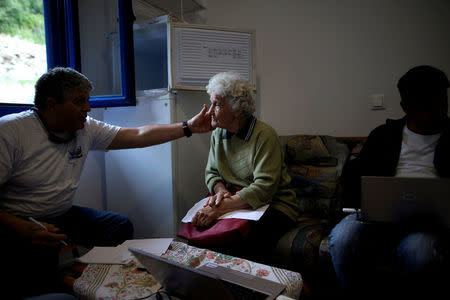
x=245, y=155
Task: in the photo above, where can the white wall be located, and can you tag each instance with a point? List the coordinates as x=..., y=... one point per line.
x=318, y=61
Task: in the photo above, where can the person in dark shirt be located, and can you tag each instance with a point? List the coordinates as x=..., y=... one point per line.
x=417, y=145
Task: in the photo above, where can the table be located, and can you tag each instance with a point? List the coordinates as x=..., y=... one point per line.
x=126, y=282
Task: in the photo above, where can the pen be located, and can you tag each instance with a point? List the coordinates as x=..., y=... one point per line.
x=43, y=227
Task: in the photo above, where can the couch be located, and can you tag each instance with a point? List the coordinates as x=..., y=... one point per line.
x=315, y=165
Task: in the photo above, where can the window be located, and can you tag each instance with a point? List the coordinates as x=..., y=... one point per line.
x=22, y=49
x=70, y=43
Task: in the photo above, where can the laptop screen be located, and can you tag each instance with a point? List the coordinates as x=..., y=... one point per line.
x=207, y=282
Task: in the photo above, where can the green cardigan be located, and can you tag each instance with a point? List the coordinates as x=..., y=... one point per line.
x=253, y=160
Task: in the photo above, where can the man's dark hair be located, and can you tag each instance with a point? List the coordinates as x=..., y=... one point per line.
x=420, y=83
x=58, y=83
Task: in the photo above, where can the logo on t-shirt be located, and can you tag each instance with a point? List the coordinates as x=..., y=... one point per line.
x=76, y=153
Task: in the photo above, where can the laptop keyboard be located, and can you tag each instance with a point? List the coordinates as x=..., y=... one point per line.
x=240, y=292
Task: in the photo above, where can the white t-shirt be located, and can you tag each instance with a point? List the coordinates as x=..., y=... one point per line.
x=417, y=154
x=38, y=177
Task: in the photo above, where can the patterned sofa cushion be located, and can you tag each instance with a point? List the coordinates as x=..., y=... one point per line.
x=315, y=164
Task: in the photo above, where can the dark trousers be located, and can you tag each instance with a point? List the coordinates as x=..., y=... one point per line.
x=262, y=238
x=89, y=227
x=29, y=270
x=264, y=235
x=26, y=269
x=372, y=258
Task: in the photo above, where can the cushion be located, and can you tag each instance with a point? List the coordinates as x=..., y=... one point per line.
x=315, y=164
x=299, y=248
x=222, y=232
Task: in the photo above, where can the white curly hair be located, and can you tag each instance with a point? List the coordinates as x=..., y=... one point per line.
x=235, y=89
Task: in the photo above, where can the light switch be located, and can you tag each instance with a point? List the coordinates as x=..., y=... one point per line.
x=376, y=101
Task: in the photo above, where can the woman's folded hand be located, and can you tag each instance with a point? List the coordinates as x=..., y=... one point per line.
x=216, y=199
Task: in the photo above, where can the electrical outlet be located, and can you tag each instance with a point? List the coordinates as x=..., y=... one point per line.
x=376, y=101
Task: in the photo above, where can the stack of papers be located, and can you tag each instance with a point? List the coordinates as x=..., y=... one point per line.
x=120, y=255
x=246, y=214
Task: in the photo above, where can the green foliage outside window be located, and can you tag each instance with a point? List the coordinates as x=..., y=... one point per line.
x=23, y=18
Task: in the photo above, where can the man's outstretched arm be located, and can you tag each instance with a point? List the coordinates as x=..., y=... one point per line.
x=149, y=135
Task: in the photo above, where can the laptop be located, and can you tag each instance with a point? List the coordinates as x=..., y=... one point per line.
x=405, y=199
x=207, y=282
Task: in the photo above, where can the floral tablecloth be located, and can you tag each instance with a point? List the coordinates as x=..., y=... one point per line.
x=100, y=281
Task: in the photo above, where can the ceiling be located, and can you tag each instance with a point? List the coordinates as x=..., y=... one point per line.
x=147, y=9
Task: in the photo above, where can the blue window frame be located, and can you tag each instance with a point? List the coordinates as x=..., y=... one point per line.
x=63, y=49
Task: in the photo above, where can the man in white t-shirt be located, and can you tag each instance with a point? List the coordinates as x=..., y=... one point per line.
x=42, y=152
x=417, y=145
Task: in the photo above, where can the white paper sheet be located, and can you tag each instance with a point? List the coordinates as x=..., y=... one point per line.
x=154, y=246
x=103, y=255
x=120, y=254
x=246, y=214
